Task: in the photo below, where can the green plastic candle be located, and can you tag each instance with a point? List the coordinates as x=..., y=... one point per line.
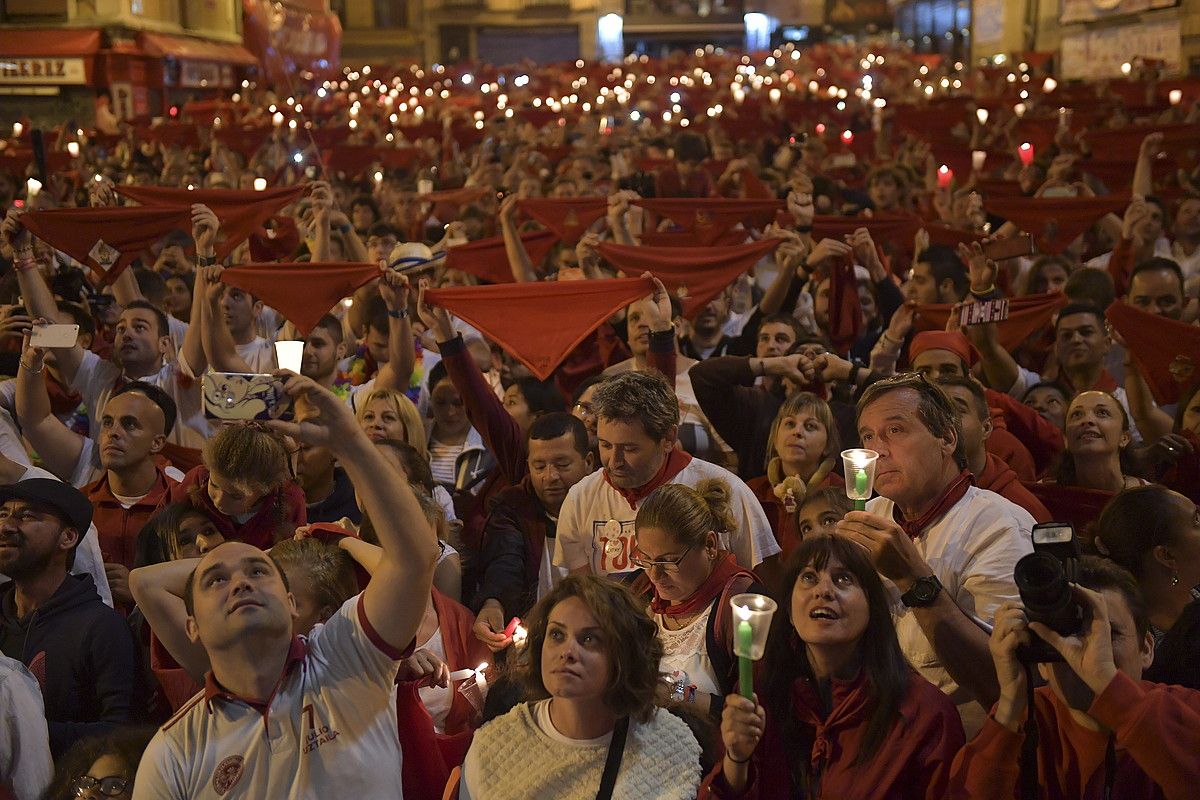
x=860, y=488
x=745, y=638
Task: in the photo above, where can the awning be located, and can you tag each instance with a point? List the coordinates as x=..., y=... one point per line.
x=157, y=44
x=49, y=41
x=47, y=57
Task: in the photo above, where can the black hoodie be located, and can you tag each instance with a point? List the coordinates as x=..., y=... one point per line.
x=83, y=655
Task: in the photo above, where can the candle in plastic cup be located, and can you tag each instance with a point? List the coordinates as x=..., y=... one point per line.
x=1025, y=151
x=753, y=613
x=32, y=187
x=1175, y=96
x=978, y=157
x=860, y=475
x=981, y=114
x=73, y=149
x=290, y=355
x=260, y=184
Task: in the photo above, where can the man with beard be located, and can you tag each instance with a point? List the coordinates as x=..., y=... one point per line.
x=55, y=623
x=708, y=336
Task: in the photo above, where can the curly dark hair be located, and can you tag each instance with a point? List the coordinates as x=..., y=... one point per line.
x=126, y=743
x=630, y=639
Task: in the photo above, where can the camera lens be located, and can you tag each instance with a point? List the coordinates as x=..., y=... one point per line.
x=1046, y=593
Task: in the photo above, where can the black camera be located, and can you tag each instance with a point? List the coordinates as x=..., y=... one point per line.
x=1044, y=579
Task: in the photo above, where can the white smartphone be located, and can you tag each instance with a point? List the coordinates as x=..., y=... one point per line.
x=54, y=335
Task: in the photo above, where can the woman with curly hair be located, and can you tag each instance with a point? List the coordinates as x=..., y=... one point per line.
x=101, y=766
x=590, y=667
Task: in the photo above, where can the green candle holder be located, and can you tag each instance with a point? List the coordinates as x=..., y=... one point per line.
x=752, y=616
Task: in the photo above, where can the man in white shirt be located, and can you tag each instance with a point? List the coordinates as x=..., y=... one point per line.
x=294, y=717
x=947, y=548
x=25, y=765
x=637, y=423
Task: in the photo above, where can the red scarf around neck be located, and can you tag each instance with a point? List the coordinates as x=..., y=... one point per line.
x=953, y=493
x=724, y=570
x=675, y=464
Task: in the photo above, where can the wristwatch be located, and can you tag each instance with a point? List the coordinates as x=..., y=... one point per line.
x=205, y=261
x=922, y=593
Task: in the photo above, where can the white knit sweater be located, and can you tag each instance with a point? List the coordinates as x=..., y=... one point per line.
x=513, y=758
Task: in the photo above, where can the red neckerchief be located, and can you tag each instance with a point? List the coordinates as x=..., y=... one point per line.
x=674, y=465
x=954, y=492
x=725, y=570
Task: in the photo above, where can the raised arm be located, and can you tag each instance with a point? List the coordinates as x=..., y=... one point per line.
x=158, y=591
x=402, y=352
x=58, y=445
x=1143, y=173
x=518, y=257
x=219, y=348
x=395, y=599
x=38, y=299
x=204, y=233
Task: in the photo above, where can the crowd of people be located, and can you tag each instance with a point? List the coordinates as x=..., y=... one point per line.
x=414, y=433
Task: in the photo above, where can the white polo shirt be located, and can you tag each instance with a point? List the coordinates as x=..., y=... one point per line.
x=328, y=731
x=972, y=550
x=595, y=525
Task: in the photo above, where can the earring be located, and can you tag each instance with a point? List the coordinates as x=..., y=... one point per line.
x=1174, y=578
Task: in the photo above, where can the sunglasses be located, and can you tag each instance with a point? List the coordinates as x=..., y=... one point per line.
x=112, y=786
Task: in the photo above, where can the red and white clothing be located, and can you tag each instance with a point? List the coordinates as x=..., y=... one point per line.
x=328, y=730
x=972, y=549
x=595, y=525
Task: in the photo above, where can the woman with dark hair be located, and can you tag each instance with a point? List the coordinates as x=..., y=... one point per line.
x=179, y=530
x=1155, y=534
x=690, y=579
x=1098, y=436
x=802, y=454
x=845, y=715
x=590, y=667
x=101, y=766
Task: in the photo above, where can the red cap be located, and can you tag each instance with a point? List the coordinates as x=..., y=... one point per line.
x=951, y=341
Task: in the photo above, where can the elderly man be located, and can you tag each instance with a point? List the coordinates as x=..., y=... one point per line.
x=947, y=548
x=288, y=716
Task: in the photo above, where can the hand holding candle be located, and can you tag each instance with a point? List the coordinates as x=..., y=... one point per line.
x=860, y=475
x=945, y=176
x=752, y=616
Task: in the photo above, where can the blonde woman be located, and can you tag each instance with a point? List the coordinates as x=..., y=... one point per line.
x=389, y=414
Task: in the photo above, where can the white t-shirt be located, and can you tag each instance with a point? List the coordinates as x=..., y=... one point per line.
x=24, y=741
x=972, y=550
x=330, y=730
x=437, y=699
x=595, y=525
x=259, y=355
x=95, y=379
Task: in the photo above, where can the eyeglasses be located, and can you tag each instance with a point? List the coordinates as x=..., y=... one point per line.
x=112, y=786
x=585, y=408
x=670, y=565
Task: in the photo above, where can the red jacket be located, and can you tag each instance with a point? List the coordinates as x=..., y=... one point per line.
x=1041, y=438
x=998, y=478
x=913, y=761
x=1157, y=730
x=118, y=526
x=279, y=514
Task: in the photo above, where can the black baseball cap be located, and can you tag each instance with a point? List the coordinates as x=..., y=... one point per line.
x=64, y=498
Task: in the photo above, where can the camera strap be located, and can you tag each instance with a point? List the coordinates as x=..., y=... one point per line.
x=1029, y=745
x=612, y=763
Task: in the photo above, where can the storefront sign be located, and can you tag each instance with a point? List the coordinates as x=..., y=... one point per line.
x=200, y=74
x=42, y=70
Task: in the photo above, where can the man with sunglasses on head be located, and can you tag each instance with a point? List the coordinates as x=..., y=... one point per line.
x=946, y=548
